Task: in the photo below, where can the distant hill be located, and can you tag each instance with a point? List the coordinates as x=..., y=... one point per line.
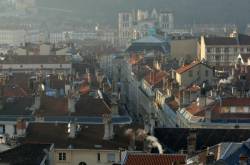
x=186, y=11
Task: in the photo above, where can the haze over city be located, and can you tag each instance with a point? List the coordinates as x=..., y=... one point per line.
x=124, y=82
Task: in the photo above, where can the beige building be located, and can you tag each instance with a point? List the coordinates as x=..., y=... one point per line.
x=222, y=51
x=194, y=73
x=81, y=144
x=184, y=49
x=87, y=156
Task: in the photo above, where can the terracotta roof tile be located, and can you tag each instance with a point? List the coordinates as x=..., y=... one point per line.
x=195, y=110
x=52, y=106
x=194, y=88
x=154, y=77
x=187, y=67
x=14, y=91
x=150, y=159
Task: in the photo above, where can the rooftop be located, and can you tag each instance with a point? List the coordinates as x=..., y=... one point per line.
x=89, y=136
x=149, y=43
x=159, y=159
x=17, y=106
x=221, y=41
x=35, y=59
x=229, y=152
x=185, y=68
x=175, y=139
x=155, y=77
x=85, y=106
x=241, y=39
x=27, y=154
x=150, y=39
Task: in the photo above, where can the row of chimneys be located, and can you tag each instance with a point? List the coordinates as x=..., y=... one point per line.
x=73, y=128
x=107, y=119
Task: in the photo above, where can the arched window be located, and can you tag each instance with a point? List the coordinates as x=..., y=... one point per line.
x=82, y=163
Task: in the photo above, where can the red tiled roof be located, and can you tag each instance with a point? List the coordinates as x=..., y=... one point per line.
x=173, y=105
x=236, y=102
x=155, y=77
x=195, y=110
x=151, y=159
x=187, y=67
x=215, y=109
x=84, y=89
x=194, y=88
x=51, y=106
x=14, y=91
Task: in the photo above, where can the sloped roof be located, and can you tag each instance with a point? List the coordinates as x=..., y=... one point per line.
x=148, y=43
x=25, y=154
x=244, y=39
x=185, y=68
x=220, y=41
x=88, y=137
x=175, y=139
x=155, y=77
x=150, y=39
x=149, y=159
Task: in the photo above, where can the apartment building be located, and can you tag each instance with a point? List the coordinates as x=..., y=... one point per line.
x=223, y=51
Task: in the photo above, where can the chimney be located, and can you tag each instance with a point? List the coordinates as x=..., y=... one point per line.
x=108, y=127
x=210, y=158
x=21, y=126
x=131, y=146
x=243, y=159
x=72, y=129
x=114, y=106
x=207, y=115
x=201, y=101
x=71, y=104
x=191, y=142
x=37, y=103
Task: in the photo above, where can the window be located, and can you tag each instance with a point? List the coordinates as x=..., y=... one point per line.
x=232, y=109
x=217, y=58
x=190, y=73
x=98, y=157
x=226, y=50
x=2, y=129
x=217, y=50
x=111, y=157
x=62, y=156
x=208, y=50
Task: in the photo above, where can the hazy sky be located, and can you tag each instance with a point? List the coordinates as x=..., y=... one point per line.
x=186, y=11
